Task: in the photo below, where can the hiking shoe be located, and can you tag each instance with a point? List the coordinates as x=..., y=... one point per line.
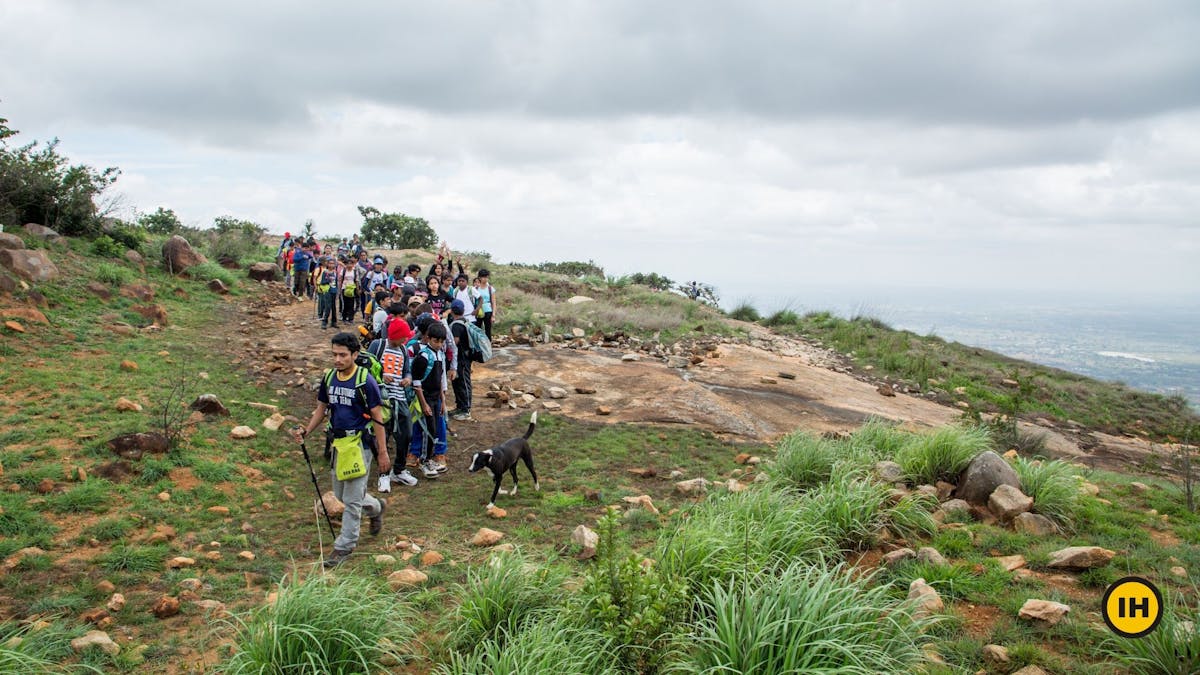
x=385, y=483
x=405, y=478
x=336, y=558
x=429, y=469
x=377, y=519
x=440, y=467
x=464, y=416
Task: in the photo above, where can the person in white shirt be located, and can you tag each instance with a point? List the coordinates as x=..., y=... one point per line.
x=469, y=295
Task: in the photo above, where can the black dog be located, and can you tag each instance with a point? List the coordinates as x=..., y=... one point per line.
x=504, y=457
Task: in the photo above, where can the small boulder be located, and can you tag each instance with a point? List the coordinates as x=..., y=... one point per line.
x=242, y=432
x=1007, y=501
x=165, y=607
x=926, y=599
x=1034, y=524
x=1010, y=562
x=129, y=366
x=333, y=505
x=885, y=390
x=692, y=487
x=31, y=265
x=1043, y=611
x=556, y=392
x=125, y=405
x=893, y=558
x=95, y=638
x=643, y=502
x=116, y=603
x=1029, y=670
x=178, y=255
x=983, y=475
x=586, y=539
x=496, y=512
x=246, y=555
x=263, y=271
x=217, y=286
x=133, y=446
x=274, y=422
x=209, y=404
x=630, y=357
x=486, y=537
x=585, y=390
x=429, y=558
x=579, y=299
x=405, y=578
x=995, y=655
x=179, y=562
x=1080, y=557
x=385, y=560
x=930, y=555
x=134, y=258
x=11, y=241
x=551, y=405
x=603, y=411
x=889, y=472
x=1140, y=488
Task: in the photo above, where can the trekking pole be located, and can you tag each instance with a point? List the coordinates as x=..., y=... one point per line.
x=313, y=474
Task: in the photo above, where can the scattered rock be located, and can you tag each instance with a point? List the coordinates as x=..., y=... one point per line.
x=242, y=432
x=889, y=472
x=209, y=404
x=165, y=607
x=551, y=405
x=643, y=472
x=274, y=422
x=179, y=562
x=1179, y=572
x=643, y=502
x=1035, y=524
x=675, y=474
x=333, y=505
x=767, y=380
x=1044, y=611
x=157, y=314
x=995, y=654
x=603, y=411
x=630, y=357
x=926, y=598
x=106, y=586
x=1080, y=557
x=11, y=241
x=556, y=392
x=1139, y=488
x=429, y=558
x=497, y=512
x=675, y=361
x=133, y=446
x=695, y=486
x=584, y=390
x=95, y=638
x=956, y=505
x=217, y=286
x=163, y=496
x=213, y=607
x=893, y=558
x=587, y=540
x=405, y=578
x=1007, y=501
x=787, y=376
x=129, y=366
x=1089, y=488
x=1010, y=562
x=31, y=265
x=95, y=616
x=191, y=584
x=1029, y=670
x=983, y=475
x=930, y=555
x=178, y=255
x=45, y=486
x=579, y=299
x=486, y=537
x=125, y=405
x=385, y=559
x=219, y=510
x=116, y=603
x=885, y=390
x=263, y=271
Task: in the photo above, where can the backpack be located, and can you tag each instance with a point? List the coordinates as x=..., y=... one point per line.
x=360, y=381
x=479, y=347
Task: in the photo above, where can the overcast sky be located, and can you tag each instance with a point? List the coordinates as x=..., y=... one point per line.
x=764, y=147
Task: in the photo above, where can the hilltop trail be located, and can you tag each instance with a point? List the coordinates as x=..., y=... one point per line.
x=725, y=393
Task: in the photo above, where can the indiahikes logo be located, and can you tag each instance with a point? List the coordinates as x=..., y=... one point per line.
x=1132, y=607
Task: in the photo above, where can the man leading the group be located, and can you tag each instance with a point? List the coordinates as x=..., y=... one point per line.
x=351, y=397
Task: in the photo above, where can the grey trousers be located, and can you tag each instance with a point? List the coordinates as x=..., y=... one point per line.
x=353, y=493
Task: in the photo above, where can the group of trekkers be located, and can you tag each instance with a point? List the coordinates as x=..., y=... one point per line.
x=390, y=376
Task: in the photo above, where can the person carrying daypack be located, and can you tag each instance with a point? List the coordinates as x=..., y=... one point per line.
x=397, y=379
x=461, y=332
x=428, y=444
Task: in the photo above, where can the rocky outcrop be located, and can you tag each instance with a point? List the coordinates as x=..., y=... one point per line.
x=30, y=265
x=178, y=255
x=983, y=475
x=1080, y=558
x=263, y=271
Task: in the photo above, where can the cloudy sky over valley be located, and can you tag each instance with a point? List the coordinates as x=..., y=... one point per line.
x=761, y=146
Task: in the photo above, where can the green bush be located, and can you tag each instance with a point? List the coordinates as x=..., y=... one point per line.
x=322, y=624
x=744, y=312
x=499, y=598
x=783, y=317
x=803, y=460
x=113, y=274
x=551, y=645
x=210, y=270
x=849, y=510
x=1053, y=486
x=879, y=439
x=941, y=455
x=809, y=619
x=105, y=246
x=127, y=235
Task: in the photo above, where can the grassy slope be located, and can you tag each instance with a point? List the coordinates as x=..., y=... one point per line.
x=60, y=381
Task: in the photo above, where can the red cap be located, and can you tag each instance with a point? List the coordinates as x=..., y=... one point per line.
x=398, y=330
x=287, y=235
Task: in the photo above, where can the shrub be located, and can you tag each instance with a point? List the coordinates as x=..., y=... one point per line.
x=1053, y=486
x=803, y=460
x=941, y=455
x=126, y=235
x=806, y=620
x=849, y=510
x=783, y=317
x=210, y=270
x=322, y=624
x=106, y=247
x=745, y=312
x=499, y=598
x=912, y=516
x=1173, y=648
x=638, y=607
x=545, y=646
x=954, y=580
x=879, y=439
x=162, y=221
x=113, y=275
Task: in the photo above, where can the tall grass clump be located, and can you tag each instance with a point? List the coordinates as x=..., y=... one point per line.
x=549, y=645
x=744, y=312
x=210, y=270
x=25, y=650
x=736, y=535
x=808, y=619
x=113, y=274
x=849, y=510
x=322, y=624
x=1053, y=486
x=879, y=439
x=783, y=317
x=803, y=460
x=941, y=455
x=499, y=598
x=1173, y=648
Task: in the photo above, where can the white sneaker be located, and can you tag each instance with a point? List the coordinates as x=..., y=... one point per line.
x=385, y=483
x=405, y=478
x=429, y=469
x=441, y=468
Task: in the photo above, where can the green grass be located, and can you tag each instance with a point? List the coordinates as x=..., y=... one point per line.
x=1172, y=649
x=809, y=619
x=114, y=274
x=210, y=270
x=340, y=624
x=744, y=311
x=1053, y=486
x=498, y=598
x=91, y=496
x=942, y=454
x=804, y=460
x=125, y=558
x=550, y=645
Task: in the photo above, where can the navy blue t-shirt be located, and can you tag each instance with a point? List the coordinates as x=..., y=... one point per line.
x=346, y=411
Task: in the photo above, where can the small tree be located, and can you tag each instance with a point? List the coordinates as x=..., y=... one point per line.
x=162, y=221
x=703, y=293
x=396, y=230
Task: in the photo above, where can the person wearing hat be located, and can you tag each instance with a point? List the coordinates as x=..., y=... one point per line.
x=397, y=378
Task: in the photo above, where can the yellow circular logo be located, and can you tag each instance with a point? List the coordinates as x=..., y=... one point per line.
x=1132, y=607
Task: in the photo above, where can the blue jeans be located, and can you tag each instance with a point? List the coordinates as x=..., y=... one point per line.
x=420, y=440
